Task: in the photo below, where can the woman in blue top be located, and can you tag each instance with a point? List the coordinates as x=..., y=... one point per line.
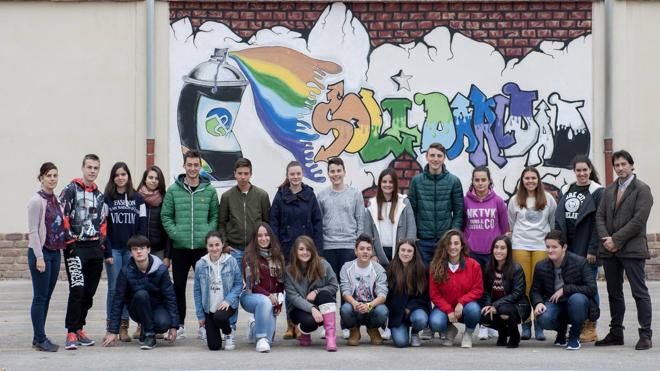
x=295, y=212
x=216, y=289
x=127, y=216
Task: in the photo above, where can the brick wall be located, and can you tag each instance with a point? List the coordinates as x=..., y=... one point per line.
x=514, y=28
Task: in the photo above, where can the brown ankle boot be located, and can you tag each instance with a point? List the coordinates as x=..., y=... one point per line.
x=290, y=331
x=588, y=333
x=136, y=334
x=123, y=331
x=375, y=337
x=354, y=338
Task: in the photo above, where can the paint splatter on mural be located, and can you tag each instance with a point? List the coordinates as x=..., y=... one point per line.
x=328, y=94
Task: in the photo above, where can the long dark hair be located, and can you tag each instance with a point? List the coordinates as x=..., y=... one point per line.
x=440, y=260
x=314, y=270
x=159, y=174
x=286, y=183
x=507, y=268
x=410, y=279
x=583, y=159
x=111, y=187
x=539, y=193
x=251, y=257
x=380, y=196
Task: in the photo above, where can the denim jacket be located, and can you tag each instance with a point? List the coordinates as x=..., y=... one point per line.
x=232, y=283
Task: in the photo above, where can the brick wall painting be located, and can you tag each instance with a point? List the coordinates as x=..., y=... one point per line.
x=278, y=91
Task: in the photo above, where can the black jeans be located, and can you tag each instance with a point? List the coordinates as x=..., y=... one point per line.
x=154, y=320
x=337, y=258
x=305, y=319
x=504, y=325
x=214, y=323
x=84, y=265
x=634, y=268
x=182, y=261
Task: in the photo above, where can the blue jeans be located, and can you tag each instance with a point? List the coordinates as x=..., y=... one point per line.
x=557, y=317
x=238, y=255
x=427, y=249
x=418, y=320
x=439, y=321
x=374, y=319
x=43, y=285
x=119, y=260
x=262, y=308
x=594, y=270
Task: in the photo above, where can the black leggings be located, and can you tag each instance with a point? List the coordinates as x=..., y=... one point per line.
x=305, y=319
x=503, y=324
x=214, y=323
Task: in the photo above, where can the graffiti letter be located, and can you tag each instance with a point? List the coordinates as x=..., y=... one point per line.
x=571, y=134
x=545, y=141
x=398, y=138
x=463, y=120
x=439, y=122
x=503, y=140
x=483, y=118
x=324, y=123
x=520, y=121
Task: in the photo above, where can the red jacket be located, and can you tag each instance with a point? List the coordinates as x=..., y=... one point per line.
x=463, y=286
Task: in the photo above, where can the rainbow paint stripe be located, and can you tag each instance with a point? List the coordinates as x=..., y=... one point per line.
x=285, y=84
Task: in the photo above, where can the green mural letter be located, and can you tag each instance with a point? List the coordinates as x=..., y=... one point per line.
x=439, y=122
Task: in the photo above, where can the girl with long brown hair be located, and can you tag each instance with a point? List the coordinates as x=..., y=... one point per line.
x=263, y=273
x=408, y=296
x=531, y=217
x=455, y=286
x=311, y=291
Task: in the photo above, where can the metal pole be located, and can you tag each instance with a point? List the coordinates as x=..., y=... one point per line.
x=151, y=136
x=608, y=133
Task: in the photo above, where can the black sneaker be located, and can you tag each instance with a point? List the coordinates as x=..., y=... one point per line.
x=610, y=339
x=142, y=336
x=46, y=346
x=560, y=340
x=149, y=342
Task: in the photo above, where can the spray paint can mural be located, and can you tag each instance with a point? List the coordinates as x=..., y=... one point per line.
x=207, y=110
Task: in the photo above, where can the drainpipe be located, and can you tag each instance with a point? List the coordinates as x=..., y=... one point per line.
x=151, y=135
x=609, y=11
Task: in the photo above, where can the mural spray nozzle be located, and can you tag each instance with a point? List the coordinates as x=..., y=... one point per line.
x=220, y=56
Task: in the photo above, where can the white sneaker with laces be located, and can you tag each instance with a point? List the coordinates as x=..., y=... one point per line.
x=386, y=334
x=426, y=334
x=415, y=341
x=346, y=333
x=492, y=333
x=263, y=346
x=201, y=333
x=450, y=335
x=181, y=332
x=483, y=333
x=230, y=344
x=466, y=341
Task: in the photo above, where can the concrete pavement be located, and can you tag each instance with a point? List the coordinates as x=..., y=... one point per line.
x=191, y=353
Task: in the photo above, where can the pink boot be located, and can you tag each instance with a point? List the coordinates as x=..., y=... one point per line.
x=304, y=339
x=329, y=322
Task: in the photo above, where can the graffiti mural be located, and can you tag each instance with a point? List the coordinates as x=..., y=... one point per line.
x=283, y=95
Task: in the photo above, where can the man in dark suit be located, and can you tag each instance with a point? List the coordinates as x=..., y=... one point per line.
x=621, y=223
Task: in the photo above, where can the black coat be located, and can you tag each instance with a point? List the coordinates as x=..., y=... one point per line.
x=294, y=215
x=514, y=289
x=585, y=240
x=398, y=303
x=155, y=231
x=156, y=281
x=578, y=278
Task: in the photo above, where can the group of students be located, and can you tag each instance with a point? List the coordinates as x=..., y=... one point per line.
x=405, y=266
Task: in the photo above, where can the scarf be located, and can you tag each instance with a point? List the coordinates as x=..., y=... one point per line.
x=273, y=268
x=152, y=198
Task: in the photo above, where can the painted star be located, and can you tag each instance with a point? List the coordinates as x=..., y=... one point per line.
x=402, y=80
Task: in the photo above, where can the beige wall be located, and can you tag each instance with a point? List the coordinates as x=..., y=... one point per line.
x=74, y=81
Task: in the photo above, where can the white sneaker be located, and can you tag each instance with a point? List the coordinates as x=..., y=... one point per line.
x=322, y=333
x=263, y=346
x=229, y=342
x=346, y=333
x=466, y=341
x=181, y=332
x=251, y=334
x=483, y=333
x=201, y=333
x=492, y=333
x=450, y=335
x=386, y=334
x=426, y=334
x=415, y=341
